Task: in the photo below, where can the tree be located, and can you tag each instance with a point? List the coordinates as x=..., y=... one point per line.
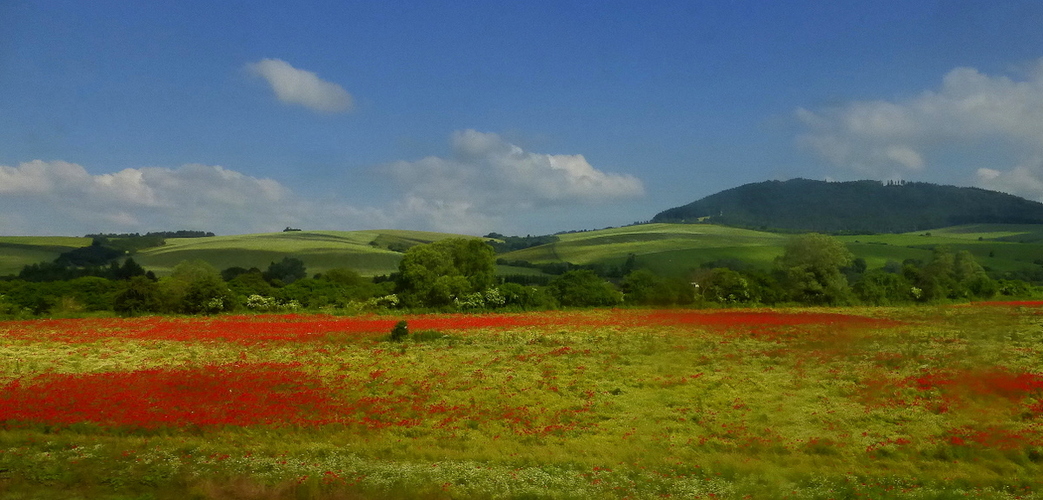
x=286, y=271
x=881, y=288
x=128, y=270
x=812, y=265
x=137, y=295
x=583, y=288
x=726, y=286
x=208, y=295
x=436, y=273
x=526, y=297
x=249, y=283
x=952, y=276
x=644, y=287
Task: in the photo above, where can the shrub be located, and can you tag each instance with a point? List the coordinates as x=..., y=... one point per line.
x=399, y=332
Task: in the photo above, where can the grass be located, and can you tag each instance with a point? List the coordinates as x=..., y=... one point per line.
x=675, y=249
x=17, y=252
x=610, y=245
x=928, y=402
x=364, y=251
x=669, y=249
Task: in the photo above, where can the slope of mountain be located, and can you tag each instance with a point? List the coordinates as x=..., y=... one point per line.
x=855, y=207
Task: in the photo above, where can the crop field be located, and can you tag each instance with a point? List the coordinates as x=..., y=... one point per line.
x=925, y=402
x=667, y=249
x=675, y=249
x=19, y=251
x=364, y=251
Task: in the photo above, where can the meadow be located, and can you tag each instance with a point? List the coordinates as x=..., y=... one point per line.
x=917, y=402
x=667, y=249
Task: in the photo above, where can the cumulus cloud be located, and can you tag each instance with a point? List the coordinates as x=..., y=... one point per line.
x=995, y=116
x=486, y=178
x=486, y=184
x=58, y=197
x=297, y=86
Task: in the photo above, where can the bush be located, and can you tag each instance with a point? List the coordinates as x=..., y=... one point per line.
x=583, y=288
x=399, y=332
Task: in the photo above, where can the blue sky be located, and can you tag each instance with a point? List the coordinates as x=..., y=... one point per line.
x=517, y=117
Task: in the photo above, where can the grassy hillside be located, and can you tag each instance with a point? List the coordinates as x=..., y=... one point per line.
x=665, y=248
x=668, y=249
x=675, y=249
x=17, y=252
x=1003, y=247
x=368, y=252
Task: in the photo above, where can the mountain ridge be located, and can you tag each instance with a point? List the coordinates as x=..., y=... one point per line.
x=864, y=206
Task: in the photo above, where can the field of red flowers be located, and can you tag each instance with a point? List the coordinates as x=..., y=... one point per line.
x=842, y=403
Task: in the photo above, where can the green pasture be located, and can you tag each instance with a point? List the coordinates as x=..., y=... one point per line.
x=609, y=245
x=668, y=249
x=1003, y=247
x=17, y=252
x=909, y=402
x=676, y=249
x=363, y=251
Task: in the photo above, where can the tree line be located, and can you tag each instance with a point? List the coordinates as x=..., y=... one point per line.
x=460, y=275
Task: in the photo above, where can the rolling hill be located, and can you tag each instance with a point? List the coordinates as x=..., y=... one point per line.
x=19, y=251
x=677, y=249
x=667, y=249
x=854, y=207
x=368, y=252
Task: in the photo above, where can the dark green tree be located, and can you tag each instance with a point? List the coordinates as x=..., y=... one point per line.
x=138, y=295
x=881, y=288
x=812, y=264
x=128, y=270
x=434, y=274
x=208, y=295
x=643, y=287
x=725, y=286
x=526, y=297
x=286, y=271
x=584, y=288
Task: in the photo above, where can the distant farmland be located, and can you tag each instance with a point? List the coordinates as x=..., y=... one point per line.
x=667, y=249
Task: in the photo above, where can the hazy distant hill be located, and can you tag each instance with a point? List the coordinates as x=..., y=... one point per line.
x=858, y=206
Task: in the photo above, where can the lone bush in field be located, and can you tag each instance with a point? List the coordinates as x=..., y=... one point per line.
x=399, y=332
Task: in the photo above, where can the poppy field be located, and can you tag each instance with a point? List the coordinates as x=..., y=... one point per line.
x=918, y=402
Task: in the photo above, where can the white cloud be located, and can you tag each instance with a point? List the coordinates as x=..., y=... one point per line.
x=58, y=197
x=1023, y=180
x=297, y=86
x=486, y=184
x=487, y=177
x=994, y=117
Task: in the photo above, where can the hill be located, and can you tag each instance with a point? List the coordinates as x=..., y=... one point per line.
x=667, y=249
x=854, y=207
x=677, y=249
x=19, y=251
x=368, y=252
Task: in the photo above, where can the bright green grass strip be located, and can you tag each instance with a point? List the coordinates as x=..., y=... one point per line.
x=17, y=252
x=363, y=251
x=617, y=243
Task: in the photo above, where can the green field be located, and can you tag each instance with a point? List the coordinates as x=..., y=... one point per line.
x=364, y=251
x=675, y=249
x=931, y=402
x=668, y=249
x=19, y=251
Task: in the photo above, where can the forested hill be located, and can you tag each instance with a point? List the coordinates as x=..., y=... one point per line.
x=858, y=206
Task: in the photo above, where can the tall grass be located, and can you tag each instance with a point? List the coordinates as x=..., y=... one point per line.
x=922, y=402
